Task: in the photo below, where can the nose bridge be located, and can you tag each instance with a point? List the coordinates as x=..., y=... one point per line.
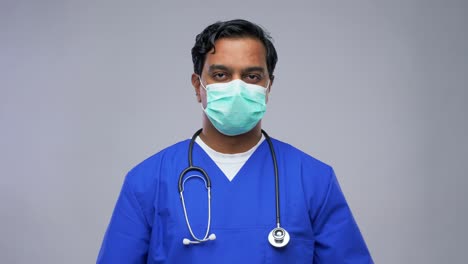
x=237, y=76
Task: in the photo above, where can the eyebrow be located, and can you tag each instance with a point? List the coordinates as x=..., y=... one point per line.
x=214, y=67
x=254, y=69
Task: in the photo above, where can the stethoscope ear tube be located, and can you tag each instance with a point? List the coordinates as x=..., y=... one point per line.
x=181, y=192
x=192, y=168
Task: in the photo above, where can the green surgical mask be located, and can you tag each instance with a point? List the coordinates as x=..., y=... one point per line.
x=235, y=107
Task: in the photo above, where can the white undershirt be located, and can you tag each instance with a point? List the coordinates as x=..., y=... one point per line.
x=230, y=164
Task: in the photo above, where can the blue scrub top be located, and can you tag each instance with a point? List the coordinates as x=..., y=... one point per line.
x=148, y=223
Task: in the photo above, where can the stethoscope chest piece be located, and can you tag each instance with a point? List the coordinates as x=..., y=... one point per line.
x=278, y=237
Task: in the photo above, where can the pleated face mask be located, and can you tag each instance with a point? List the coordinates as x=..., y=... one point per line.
x=235, y=107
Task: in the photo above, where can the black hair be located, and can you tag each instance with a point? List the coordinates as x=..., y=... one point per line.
x=237, y=28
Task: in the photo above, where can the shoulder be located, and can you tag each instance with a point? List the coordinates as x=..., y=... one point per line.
x=147, y=172
x=302, y=167
x=294, y=154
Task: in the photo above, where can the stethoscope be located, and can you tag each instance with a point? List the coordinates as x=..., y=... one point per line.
x=278, y=237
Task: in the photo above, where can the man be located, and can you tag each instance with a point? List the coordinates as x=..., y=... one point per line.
x=262, y=201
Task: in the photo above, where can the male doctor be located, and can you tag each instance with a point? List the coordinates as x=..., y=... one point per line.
x=261, y=200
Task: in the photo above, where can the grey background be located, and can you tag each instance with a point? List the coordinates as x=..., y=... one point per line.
x=377, y=89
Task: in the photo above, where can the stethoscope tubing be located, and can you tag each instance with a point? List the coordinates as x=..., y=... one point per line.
x=207, y=182
x=275, y=167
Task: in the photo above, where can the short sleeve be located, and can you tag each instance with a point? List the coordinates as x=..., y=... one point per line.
x=338, y=239
x=127, y=237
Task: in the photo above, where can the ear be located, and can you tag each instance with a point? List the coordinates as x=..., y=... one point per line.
x=196, y=86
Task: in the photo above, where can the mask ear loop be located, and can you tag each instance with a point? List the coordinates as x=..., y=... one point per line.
x=267, y=92
x=268, y=87
x=201, y=83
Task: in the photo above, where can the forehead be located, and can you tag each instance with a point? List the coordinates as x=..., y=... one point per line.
x=237, y=53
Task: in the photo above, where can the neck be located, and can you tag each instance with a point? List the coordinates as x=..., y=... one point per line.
x=229, y=144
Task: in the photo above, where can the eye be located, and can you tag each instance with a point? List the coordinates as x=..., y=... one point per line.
x=219, y=76
x=253, y=78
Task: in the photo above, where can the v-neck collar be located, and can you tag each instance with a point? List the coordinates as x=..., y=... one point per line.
x=214, y=169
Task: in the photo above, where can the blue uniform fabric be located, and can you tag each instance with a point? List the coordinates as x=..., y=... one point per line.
x=148, y=224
